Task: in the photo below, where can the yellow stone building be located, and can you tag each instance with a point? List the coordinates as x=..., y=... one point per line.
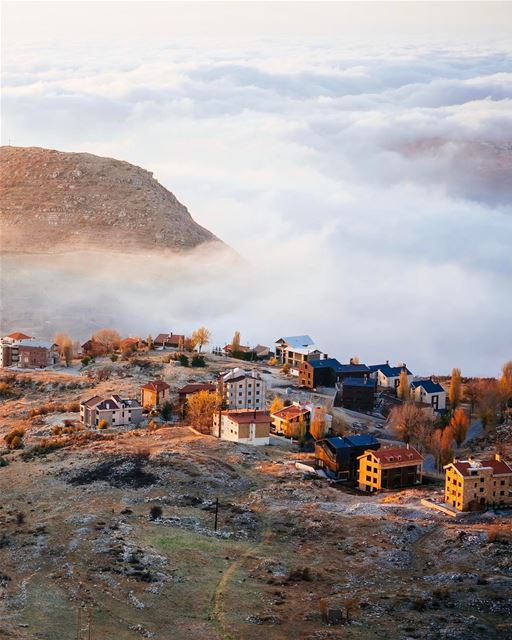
x=471, y=485
x=390, y=468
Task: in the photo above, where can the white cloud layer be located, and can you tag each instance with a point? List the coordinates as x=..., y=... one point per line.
x=368, y=187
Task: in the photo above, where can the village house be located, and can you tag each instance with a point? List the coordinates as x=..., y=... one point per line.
x=154, y=393
x=328, y=372
x=190, y=389
x=387, y=376
x=116, y=411
x=93, y=348
x=27, y=353
x=242, y=389
x=243, y=427
x=130, y=344
x=292, y=421
x=471, y=485
x=339, y=456
x=358, y=394
x=294, y=350
x=429, y=392
x=169, y=341
x=390, y=468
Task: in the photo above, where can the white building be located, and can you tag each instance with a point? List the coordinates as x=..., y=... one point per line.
x=294, y=350
x=387, y=376
x=429, y=392
x=242, y=389
x=116, y=411
x=244, y=427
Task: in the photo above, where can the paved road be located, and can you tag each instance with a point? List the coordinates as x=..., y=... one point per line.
x=475, y=430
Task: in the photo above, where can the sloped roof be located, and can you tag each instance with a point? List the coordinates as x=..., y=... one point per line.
x=361, y=440
x=326, y=363
x=389, y=372
x=287, y=413
x=92, y=402
x=17, y=335
x=429, y=385
x=396, y=455
x=297, y=341
x=464, y=467
x=156, y=385
x=194, y=387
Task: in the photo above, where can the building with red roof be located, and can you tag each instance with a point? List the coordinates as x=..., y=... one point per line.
x=391, y=468
x=154, y=393
x=243, y=427
x=472, y=485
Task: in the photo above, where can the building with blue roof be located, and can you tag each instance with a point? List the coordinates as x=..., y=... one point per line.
x=428, y=391
x=327, y=372
x=338, y=456
x=358, y=394
x=388, y=376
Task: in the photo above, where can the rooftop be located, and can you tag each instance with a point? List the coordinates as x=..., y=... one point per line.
x=394, y=455
x=296, y=342
x=359, y=382
x=249, y=417
x=429, y=385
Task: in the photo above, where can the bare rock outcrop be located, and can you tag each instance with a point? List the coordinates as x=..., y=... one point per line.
x=53, y=202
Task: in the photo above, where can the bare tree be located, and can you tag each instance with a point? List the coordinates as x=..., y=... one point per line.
x=410, y=422
x=455, y=392
x=109, y=339
x=235, y=342
x=63, y=341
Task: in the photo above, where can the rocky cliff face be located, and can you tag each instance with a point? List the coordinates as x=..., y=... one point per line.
x=52, y=202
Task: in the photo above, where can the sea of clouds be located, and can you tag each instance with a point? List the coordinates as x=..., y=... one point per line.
x=367, y=186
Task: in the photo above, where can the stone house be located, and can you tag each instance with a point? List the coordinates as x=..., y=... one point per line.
x=471, y=485
x=390, y=468
x=116, y=411
x=154, y=393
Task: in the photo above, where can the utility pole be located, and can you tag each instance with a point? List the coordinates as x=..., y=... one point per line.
x=216, y=513
x=89, y=616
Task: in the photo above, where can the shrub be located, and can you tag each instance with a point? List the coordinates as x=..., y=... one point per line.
x=183, y=360
x=42, y=449
x=3, y=462
x=153, y=425
x=155, y=513
x=114, y=357
x=103, y=424
x=198, y=361
x=20, y=517
x=14, y=439
x=166, y=411
x=85, y=361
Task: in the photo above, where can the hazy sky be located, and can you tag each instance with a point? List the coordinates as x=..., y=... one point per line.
x=358, y=155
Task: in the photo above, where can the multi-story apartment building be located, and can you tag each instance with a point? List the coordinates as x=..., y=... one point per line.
x=27, y=353
x=471, y=485
x=294, y=350
x=390, y=468
x=116, y=411
x=242, y=389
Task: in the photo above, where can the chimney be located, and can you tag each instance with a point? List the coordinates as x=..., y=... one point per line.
x=407, y=445
x=497, y=457
x=351, y=361
x=387, y=362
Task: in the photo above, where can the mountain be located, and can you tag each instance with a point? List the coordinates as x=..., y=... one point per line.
x=53, y=202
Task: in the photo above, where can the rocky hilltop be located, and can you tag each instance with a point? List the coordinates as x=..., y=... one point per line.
x=52, y=202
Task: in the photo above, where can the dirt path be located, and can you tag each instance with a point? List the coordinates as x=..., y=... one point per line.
x=418, y=559
x=217, y=611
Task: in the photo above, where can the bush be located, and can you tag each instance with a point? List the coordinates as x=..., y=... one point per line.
x=3, y=462
x=198, y=361
x=42, y=449
x=166, y=411
x=183, y=360
x=20, y=517
x=114, y=357
x=103, y=424
x=85, y=361
x=155, y=513
x=14, y=439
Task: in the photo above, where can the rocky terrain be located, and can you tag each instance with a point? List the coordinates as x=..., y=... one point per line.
x=53, y=202
x=119, y=526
